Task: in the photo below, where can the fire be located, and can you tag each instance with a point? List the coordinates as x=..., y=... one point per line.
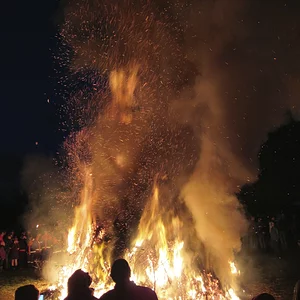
x=158, y=256
x=80, y=250
x=152, y=117
x=169, y=270
x=233, y=268
x=122, y=86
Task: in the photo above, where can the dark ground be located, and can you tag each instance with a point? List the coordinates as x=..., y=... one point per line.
x=259, y=273
x=265, y=273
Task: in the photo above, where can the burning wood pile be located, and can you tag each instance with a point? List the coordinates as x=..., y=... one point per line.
x=159, y=257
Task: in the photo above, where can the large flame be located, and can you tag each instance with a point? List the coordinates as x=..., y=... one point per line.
x=158, y=256
x=160, y=259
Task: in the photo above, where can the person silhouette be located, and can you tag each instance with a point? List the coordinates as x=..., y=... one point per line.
x=264, y=296
x=79, y=286
x=296, y=295
x=124, y=288
x=27, y=292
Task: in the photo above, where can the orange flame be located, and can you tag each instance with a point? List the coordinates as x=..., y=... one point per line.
x=158, y=256
x=122, y=86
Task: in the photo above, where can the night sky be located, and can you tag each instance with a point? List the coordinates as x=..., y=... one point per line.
x=30, y=120
x=27, y=46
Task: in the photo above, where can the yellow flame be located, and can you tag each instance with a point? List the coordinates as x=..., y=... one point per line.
x=79, y=237
x=233, y=268
x=158, y=257
x=122, y=85
x=232, y=295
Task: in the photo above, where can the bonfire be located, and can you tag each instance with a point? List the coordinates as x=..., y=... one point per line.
x=158, y=255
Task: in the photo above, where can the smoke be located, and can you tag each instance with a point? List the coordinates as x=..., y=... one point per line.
x=243, y=91
x=49, y=199
x=194, y=88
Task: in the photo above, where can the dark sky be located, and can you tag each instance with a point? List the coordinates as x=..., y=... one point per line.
x=27, y=31
x=27, y=45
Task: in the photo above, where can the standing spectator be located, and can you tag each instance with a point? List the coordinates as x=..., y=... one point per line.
x=274, y=239
x=261, y=232
x=30, y=240
x=39, y=242
x=2, y=234
x=8, y=245
x=282, y=228
x=46, y=238
x=294, y=228
x=2, y=255
x=252, y=234
x=23, y=251
x=15, y=253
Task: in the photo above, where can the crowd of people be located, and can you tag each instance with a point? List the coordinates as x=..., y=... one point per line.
x=271, y=234
x=16, y=250
x=13, y=250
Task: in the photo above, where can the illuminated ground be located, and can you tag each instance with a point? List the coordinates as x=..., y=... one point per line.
x=11, y=280
x=261, y=274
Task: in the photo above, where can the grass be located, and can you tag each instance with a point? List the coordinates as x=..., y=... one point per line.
x=11, y=280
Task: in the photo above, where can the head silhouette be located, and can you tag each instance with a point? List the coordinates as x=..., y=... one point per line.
x=120, y=271
x=79, y=281
x=27, y=292
x=264, y=296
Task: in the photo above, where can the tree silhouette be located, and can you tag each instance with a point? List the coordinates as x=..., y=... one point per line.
x=278, y=185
